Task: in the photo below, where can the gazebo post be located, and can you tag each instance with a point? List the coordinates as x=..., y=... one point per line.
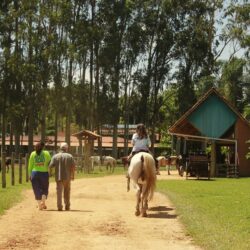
x=87, y=150
x=172, y=144
x=213, y=159
x=185, y=147
x=88, y=137
x=236, y=158
x=80, y=161
x=100, y=146
x=80, y=146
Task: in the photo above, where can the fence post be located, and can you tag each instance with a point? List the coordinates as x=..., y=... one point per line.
x=3, y=170
x=20, y=169
x=26, y=167
x=12, y=168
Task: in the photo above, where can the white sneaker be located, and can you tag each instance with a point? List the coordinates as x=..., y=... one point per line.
x=43, y=202
x=40, y=206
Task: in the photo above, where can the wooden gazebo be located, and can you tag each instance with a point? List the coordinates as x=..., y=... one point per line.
x=88, y=137
x=214, y=120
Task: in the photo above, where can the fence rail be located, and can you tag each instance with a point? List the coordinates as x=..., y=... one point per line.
x=12, y=166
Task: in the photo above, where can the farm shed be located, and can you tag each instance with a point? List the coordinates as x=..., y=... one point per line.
x=212, y=121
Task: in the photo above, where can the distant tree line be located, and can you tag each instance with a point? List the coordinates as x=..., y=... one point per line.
x=71, y=65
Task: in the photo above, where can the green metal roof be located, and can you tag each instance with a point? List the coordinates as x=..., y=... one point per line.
x=213, y=117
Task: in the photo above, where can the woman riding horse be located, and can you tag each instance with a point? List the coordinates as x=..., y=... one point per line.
x=141, y=142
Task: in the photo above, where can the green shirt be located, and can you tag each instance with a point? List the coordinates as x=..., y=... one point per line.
x=40, y=162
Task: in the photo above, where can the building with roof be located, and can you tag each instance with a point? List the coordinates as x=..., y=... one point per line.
x=104, y=141
x=215, y=123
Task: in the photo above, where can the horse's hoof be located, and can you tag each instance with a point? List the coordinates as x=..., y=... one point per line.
x=137, y=213
x=144, y=215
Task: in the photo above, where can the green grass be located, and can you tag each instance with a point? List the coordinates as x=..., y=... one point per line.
x=10, y=195
x=215, y=213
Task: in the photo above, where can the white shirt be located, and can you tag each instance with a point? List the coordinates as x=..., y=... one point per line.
x=140, y=144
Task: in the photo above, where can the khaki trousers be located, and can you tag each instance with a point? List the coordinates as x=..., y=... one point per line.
x=63, y=187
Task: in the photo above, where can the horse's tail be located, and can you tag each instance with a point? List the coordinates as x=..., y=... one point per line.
x=150, y=175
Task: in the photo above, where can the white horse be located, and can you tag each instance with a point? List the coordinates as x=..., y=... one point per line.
x=107, y=161
x=95, y=161
x=142, y=172
x=163, y=162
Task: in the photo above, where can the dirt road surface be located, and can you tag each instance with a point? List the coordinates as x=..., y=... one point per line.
x=101, y=217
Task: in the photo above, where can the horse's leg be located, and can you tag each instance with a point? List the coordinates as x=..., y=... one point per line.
x=144, y=203
x=168, y=167
x=138, y=196
x=128, y=183
x=100, y=167
x=179, y=170
x=110, y=167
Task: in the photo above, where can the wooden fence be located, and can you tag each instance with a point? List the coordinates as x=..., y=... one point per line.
x=22, y=166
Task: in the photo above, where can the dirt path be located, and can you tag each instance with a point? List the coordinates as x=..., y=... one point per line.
x=102, y=217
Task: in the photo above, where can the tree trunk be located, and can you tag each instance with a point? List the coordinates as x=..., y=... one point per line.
x=56, y=130
x=69, y=103
x=126, y=120
x=30, y=129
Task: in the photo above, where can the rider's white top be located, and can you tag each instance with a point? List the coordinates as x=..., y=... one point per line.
x=140, y=144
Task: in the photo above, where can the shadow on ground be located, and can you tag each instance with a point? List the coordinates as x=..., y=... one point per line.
x=161, y=212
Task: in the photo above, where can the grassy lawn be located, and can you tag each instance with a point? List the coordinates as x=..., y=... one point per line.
x=216, y=213
x=13, y=194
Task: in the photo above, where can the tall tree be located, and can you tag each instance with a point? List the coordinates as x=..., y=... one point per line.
x=195, y=58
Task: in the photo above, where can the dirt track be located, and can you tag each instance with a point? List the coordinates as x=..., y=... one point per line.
x=101, y=217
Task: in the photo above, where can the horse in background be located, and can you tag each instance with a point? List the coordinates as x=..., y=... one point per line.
x=125, y=162
x=163, y=162
x=107, y=161
x=7, y=164
x=142, y=172
x=95, y=161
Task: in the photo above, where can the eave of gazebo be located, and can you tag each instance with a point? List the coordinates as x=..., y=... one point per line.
x=86, y=135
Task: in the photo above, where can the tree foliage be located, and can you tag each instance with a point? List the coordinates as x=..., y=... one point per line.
x=81, y=64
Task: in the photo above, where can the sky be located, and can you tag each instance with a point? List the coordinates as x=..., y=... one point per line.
x=230, y=47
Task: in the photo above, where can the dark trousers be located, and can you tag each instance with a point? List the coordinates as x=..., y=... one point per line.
x=40, y=184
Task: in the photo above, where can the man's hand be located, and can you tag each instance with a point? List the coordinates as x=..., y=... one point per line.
x=72, y=171
x=50, y=173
